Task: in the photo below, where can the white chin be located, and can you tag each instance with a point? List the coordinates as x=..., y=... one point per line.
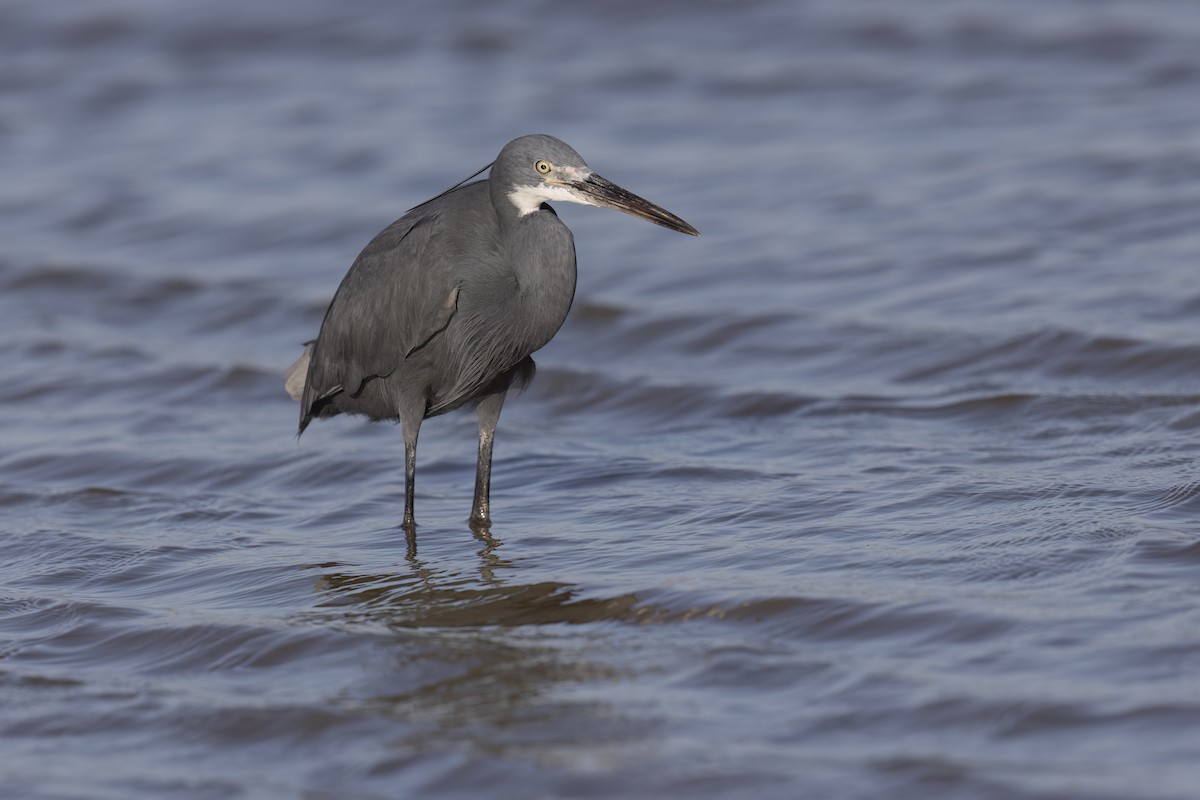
x=528, y=199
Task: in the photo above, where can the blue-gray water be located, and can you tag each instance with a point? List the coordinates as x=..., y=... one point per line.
x=886, y=486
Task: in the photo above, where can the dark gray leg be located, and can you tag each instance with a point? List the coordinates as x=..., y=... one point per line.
x=411, y=429
x=489, y=415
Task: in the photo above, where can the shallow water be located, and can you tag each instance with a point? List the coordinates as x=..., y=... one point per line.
x=885, y=486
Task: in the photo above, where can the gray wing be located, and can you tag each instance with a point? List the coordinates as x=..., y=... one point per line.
x=395, y=298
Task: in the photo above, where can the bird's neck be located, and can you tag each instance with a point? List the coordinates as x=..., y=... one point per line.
x=543, y=262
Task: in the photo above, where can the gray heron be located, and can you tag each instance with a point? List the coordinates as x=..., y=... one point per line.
x=445, y=306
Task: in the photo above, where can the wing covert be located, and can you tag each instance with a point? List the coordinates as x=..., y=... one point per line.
x=395, y=298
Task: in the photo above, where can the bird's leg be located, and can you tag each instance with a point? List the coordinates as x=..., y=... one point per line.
x=489, y=414
x=411, y=429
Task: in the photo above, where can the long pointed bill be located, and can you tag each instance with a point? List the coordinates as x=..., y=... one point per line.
x=602, y=192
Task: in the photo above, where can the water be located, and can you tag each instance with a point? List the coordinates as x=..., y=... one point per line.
x=885, y=486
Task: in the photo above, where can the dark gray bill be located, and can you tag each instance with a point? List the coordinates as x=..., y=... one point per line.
x=607, y=193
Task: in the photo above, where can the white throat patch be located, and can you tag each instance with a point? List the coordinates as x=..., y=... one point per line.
x=529, y=199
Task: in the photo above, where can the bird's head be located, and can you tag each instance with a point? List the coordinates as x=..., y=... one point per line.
x=536, y=169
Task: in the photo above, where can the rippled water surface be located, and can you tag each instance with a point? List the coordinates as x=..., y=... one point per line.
x=886, y=486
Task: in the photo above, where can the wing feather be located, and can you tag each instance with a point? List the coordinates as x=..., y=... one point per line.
x=395, y=298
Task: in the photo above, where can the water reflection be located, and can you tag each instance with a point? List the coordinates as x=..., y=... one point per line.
x=463, y=664
x=427, y=596
x=498, y=694
x=489, y=561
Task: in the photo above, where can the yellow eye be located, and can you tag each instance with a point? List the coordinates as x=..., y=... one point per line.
x=542, y=167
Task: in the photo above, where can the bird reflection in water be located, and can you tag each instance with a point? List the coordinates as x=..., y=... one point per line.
x=426, y=596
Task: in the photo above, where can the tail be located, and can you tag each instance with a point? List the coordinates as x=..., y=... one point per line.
x=295, y=381
x=297, y=374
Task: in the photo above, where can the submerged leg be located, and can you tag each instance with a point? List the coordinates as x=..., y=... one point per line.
x=411, y=429
x=489, y=415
